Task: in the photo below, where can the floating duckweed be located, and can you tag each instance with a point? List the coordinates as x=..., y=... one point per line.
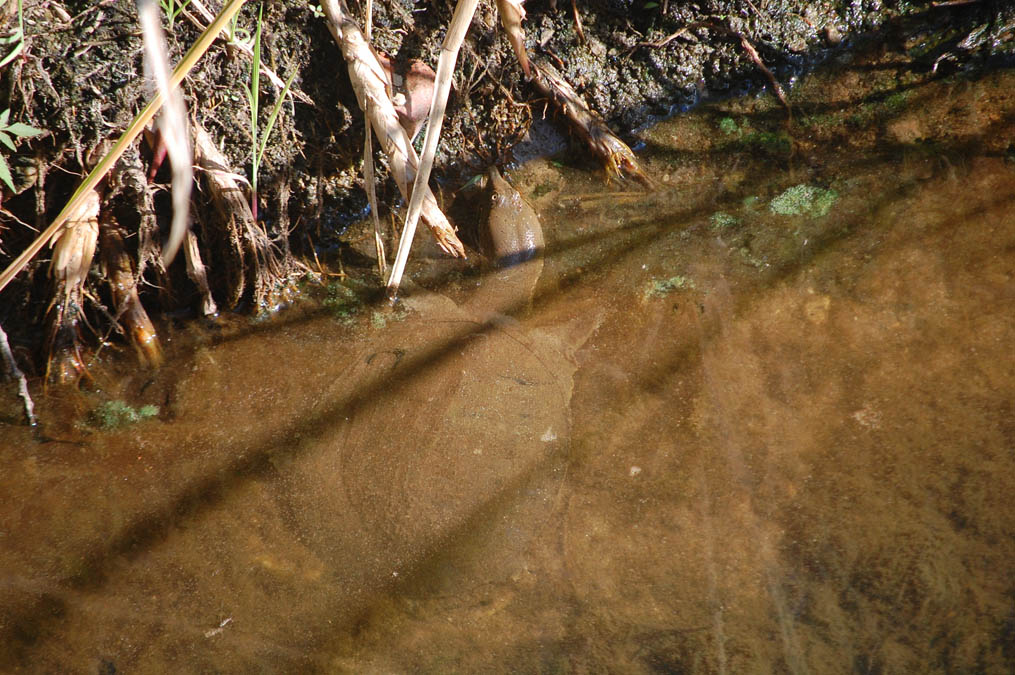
x=117, y=414
x=721, y=220
x=658, y=288
x=804, y=200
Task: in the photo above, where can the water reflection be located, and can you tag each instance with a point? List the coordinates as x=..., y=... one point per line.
x=758, y=420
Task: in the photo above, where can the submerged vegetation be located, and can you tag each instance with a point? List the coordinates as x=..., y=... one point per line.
x=804, y=200
x=118, y=414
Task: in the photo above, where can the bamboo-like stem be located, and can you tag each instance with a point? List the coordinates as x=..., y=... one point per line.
x=140, y=121
x=369, y=177
x=442, y=87
x=370, y=81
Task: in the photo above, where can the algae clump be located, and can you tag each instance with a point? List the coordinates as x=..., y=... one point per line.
x=804, y=200
x=657, y=288
x=117, y=414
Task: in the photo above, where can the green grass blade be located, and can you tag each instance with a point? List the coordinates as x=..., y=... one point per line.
x=271, y=118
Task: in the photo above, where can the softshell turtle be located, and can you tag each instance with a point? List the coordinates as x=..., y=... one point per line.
x=513, y=233
x=387, y=443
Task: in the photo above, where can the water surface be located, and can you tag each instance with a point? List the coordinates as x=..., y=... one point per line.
x=760, y=419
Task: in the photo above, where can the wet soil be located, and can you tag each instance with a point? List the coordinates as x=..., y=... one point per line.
x=758, y=419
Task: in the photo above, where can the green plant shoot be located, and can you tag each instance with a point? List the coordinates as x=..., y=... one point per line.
x=16, y=38
x=172, y=8
x=253, y=98
x=18, y=130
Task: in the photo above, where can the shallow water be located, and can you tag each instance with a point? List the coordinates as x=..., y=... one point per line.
x=738, y=426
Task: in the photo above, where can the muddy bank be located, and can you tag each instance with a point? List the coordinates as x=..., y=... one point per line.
x=78, y=78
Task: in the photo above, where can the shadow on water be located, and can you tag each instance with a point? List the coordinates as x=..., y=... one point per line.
x=739, y=546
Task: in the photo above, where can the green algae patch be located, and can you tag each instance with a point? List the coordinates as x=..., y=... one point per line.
x=720, y=220
x=118, y=414
x=728, y=126
x=804, y=200
x=380, y=318
x=658, y=288
x=345, y=299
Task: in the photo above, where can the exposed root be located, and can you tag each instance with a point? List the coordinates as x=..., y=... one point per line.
x=254, y=255
x=198, y=273
x=73, y=251
x=232, y=213
x=129, y=312
x=617, y=158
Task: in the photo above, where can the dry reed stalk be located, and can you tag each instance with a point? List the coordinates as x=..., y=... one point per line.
x=616, y=157
x=370, y=82
x=459, y=26
x=248, y=242
x=613, y=152
x=369, y=176
x=15, y=372
x=172, y=123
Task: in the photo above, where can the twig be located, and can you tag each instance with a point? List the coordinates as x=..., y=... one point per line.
x=578, y=22
x=744, y=42
x=753, y=53
x=442, y=87
x=12, y=368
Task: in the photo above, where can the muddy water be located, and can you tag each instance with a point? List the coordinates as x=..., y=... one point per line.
x=761, y=419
